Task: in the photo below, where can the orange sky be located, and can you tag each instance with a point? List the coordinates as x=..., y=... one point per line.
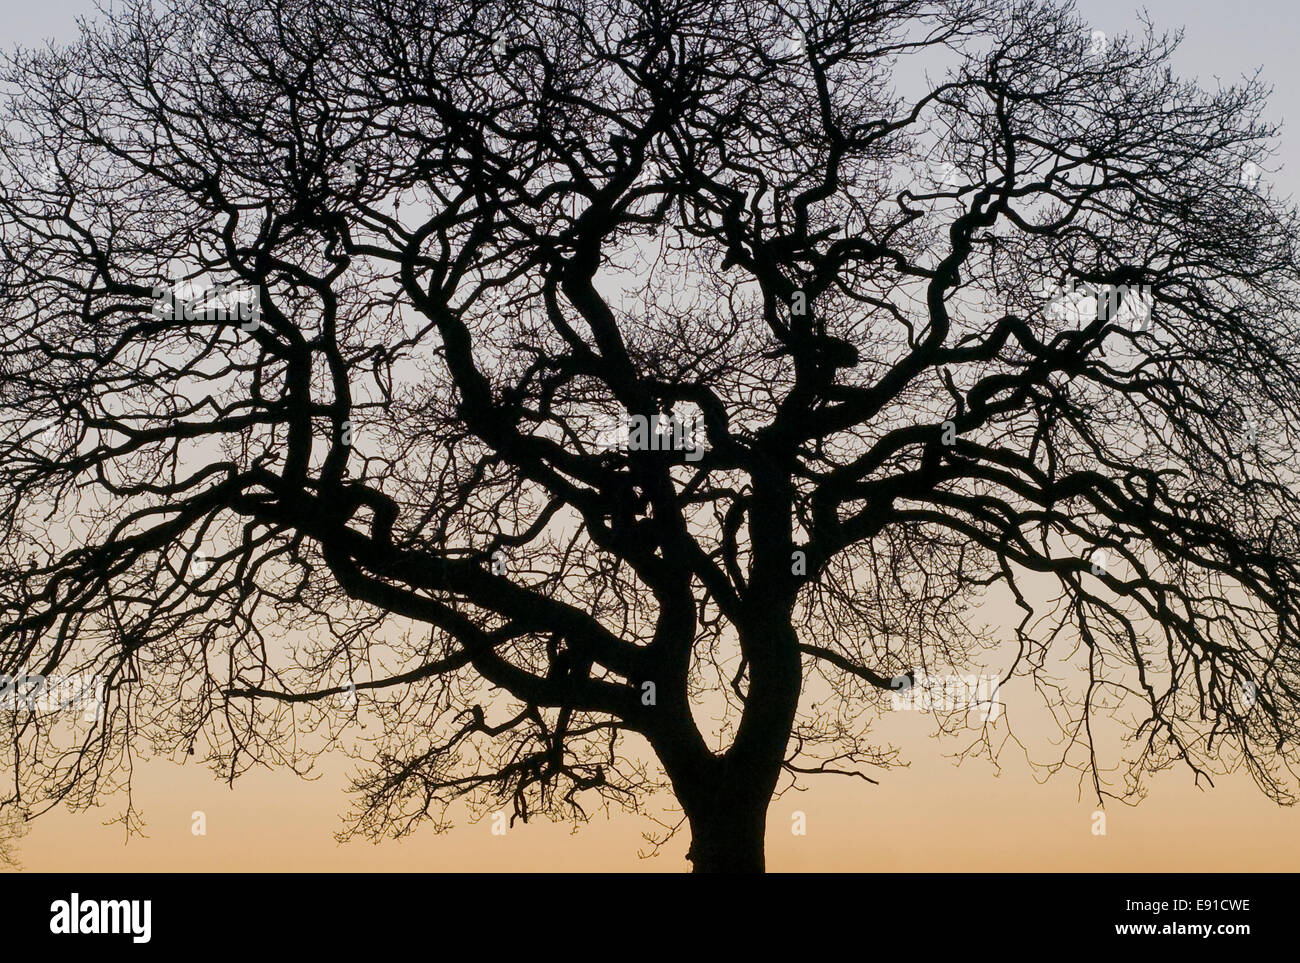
x=932, y=817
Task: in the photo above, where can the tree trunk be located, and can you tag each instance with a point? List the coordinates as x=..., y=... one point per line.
x=726, y=797
x=728, y=837
x=727, y=807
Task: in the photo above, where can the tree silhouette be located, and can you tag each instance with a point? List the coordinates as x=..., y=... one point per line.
x=589, y=396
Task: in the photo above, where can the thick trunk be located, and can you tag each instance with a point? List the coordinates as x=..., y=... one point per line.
x=726, y=797
x=728, y=838
x=727, y=804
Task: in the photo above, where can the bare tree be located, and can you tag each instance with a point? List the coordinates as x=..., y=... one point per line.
x=592, y=395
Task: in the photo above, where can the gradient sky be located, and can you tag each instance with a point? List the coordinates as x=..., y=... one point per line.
x=930, y=816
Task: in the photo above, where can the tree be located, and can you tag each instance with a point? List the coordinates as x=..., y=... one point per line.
x=530, y=382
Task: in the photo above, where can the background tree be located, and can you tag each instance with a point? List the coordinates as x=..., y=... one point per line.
x=1026, y=331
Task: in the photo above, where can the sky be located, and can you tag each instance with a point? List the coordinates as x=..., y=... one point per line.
x=932, y=815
